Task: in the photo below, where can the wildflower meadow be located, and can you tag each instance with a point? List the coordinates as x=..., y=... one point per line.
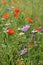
x=21, y=32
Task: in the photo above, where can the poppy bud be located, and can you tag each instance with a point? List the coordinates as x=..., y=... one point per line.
x=10, y=32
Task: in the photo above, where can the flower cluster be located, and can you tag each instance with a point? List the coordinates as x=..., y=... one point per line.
x=21, y=32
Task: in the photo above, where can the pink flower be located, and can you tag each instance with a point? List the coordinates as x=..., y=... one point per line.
x=22, y=52
x=25, y=28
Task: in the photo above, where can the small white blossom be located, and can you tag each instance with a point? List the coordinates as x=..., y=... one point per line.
x=19, y=28
x=12, y=7
x=21, y=33
x=34, y=31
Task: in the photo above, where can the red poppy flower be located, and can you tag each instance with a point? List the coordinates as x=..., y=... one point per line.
x=38, y=28
x=4, y=2
x=6, y=16
x=17, y=10
x=16, y=15
x=10, y=31
x=22, y=63
x=29, y=20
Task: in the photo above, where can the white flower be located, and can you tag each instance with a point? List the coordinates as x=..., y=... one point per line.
x=19, y=28
x=12, y=7
x=21, y=33
x=34, y=31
